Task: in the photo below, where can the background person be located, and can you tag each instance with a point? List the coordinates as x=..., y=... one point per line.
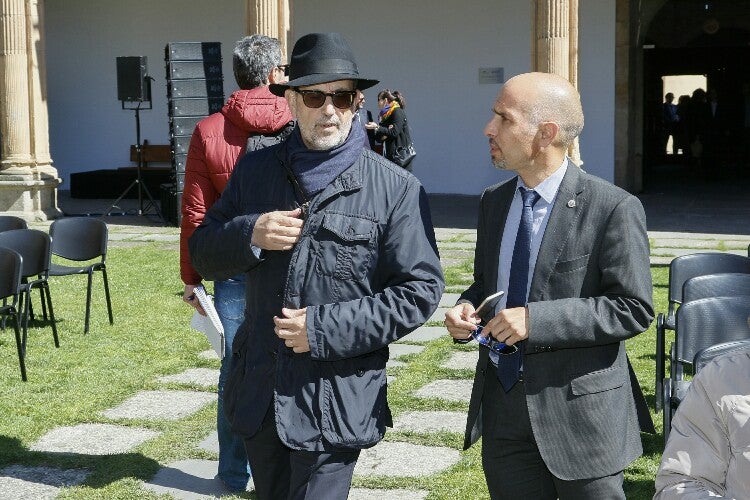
x=392, y=130
x=217, y=141
x=708, y=451
x=571, y=252
x=341, y=260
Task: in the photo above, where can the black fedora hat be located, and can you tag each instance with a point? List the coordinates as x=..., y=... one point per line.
x=321, y=58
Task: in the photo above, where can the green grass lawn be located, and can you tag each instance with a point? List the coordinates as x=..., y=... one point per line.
x=151, y=337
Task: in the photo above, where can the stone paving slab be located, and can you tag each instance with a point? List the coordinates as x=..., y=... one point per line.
x=205, y=377
x=431, y=421
x=392, y=363
x=395, y=351
x=395, y=459
x=189, y=480
x=676, y=252
x=697, y=236
x=208, y=354
x=166, y=405
x=462, y=360
x=157, y=237
x=698, y=243
x=449, y=299
x=369, y=494
x=18, y=482
x=210, y=442
x=93, y=439
x=447, y=389
x=439, y=314
x=425, y=334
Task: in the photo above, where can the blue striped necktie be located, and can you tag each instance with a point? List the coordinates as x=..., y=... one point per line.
x=509, y=365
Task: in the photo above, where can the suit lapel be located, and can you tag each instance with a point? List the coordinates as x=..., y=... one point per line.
x=570, y=201
x=497, y=210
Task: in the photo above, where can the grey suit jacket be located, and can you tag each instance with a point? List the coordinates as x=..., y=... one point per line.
x=591, y=290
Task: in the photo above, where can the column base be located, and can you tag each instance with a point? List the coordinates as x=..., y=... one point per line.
x=30, y=193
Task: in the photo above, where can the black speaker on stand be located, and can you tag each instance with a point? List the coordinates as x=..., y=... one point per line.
x=134, y=88
x=195, y=89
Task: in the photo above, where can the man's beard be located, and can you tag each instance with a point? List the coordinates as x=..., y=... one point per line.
x=500, y=163
x=319, y=142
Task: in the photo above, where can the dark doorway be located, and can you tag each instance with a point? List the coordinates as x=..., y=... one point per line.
x=699, y=38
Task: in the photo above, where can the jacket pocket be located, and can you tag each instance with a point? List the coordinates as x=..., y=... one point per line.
x=598, y=381
x=355, y=407
x=567, y=266
x=346, y=244
x=236, y=376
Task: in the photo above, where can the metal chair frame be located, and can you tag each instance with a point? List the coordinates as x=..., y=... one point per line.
x=700, y=324
x=34, y=247
x=680, y=270
x=10, y=288
x=80, y=239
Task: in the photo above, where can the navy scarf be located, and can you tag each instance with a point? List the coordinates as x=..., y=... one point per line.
x=316, y=169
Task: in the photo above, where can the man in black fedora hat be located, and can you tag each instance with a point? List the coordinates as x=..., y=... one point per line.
x=341, y=260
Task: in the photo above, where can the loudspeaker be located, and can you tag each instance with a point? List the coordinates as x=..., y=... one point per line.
x=132, y=84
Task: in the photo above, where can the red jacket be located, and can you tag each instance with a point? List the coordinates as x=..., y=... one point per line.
x=217, y=143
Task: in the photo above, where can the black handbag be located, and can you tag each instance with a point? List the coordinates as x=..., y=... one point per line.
x=404, y=155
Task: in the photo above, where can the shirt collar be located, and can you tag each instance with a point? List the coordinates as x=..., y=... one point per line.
x=547, y=189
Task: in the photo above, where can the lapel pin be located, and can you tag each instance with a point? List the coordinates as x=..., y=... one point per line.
x=571, y=203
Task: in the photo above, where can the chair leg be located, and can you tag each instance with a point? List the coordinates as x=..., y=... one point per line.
x=659, y=385
x=21, y=345
x=44, y=308
x=45, y=288
x=106, y=295
x=88, y=303
x=667, y=414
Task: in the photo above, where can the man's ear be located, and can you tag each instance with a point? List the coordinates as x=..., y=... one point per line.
x=273, y=78
x=291, y=97
x=548, y=133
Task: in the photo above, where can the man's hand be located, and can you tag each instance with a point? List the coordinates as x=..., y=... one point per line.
x=460, y=321
x=278, y=230
x=292, y=329
x=189, y=297
x=509, y=325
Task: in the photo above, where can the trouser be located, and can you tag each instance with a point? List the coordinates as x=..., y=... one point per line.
x=513, y=466
x=229, y=300
x=280, y=472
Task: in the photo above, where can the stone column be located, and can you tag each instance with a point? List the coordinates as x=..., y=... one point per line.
x=270, y=18
x=555, y=44
x=28, y=181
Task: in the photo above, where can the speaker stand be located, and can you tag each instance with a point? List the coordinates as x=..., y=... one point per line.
x=138, y=182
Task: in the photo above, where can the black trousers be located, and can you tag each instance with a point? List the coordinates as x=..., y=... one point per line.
x=280, y=472
x=513, y=466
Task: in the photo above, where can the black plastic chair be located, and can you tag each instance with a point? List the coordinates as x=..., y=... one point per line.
x=81, y=239
x=10, y=222
x=705, y=356
x=682, y=269
x=716, y=285
x=700, y=324
x=34, y=247
x=10, y=289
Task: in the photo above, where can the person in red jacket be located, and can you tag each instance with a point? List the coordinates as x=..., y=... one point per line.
x=217, y=143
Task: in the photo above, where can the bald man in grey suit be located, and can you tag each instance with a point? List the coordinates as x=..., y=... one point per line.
x=568, y=426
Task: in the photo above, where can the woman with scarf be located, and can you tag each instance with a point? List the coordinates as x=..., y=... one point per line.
x=392, y=130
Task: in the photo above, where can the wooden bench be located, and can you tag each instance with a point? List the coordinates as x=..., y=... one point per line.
x=152, y=153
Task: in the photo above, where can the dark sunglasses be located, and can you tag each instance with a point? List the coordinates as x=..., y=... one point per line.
x=489, y=342
x=342, y=99
x=284, y=68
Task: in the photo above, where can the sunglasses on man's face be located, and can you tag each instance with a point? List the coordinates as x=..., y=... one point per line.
x=342, y=99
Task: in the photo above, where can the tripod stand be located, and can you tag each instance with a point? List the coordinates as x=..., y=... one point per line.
x=142, y=188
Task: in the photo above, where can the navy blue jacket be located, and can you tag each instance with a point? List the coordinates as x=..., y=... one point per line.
x=367, y=269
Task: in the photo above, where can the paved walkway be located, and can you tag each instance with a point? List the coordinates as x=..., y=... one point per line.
x=192, y=479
